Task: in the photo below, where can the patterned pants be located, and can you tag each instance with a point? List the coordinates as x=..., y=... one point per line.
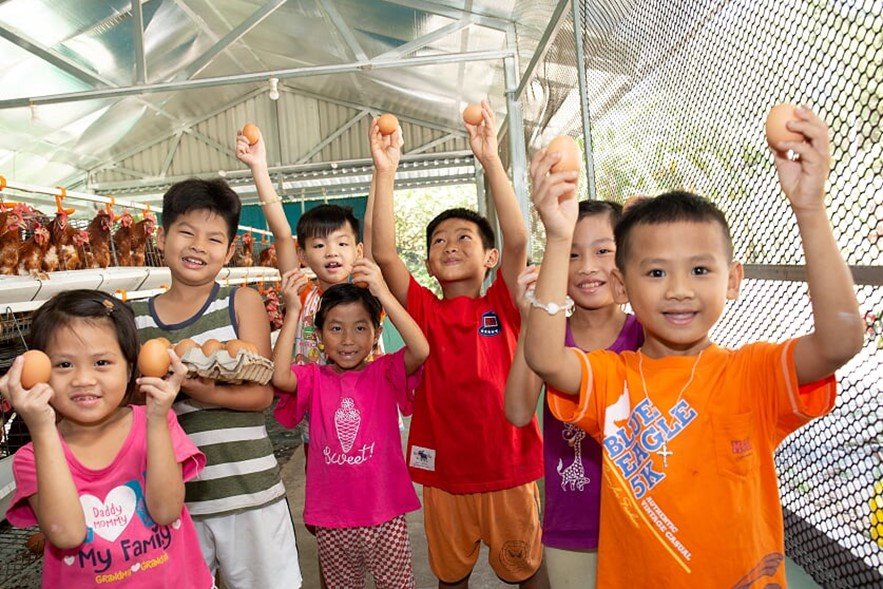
x=348, y=554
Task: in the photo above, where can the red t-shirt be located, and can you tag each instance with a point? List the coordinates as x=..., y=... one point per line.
x=460, y=440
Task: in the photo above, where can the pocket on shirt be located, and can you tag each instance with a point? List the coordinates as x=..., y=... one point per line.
x=734, y=446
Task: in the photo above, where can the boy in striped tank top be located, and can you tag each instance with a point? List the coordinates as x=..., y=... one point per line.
x=238, y=502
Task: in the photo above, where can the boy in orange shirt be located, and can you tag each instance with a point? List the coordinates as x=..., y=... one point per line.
x=689, y=497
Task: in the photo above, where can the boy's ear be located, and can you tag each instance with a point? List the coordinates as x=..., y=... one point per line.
x=620, y=295
x=160, y=239
x=428, y=268
x=492, y=256
x=300, y=255
x=734, y=280
x=230, y=251
x=360, y=250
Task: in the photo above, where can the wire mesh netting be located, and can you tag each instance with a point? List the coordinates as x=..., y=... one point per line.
x=678, y=92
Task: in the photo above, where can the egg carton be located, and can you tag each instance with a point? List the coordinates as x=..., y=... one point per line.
x=220, y=366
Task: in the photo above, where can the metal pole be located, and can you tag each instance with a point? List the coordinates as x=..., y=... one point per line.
x=584, y=99
x=517, y=150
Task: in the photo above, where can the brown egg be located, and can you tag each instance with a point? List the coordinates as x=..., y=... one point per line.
x=569, y=150
x=234, y=345
x=153, y=359
x=211, y=346
x=184, y=345
x=251, y=132
x=37, y=368
x=165, y=341
x=473, y=114
x=387, y=124
x=36, y=542
x=776, y=131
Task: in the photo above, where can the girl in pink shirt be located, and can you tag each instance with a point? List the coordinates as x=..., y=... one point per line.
x=357, y=488
x=102, y=478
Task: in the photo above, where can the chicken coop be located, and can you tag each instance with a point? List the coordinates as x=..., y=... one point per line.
x=105, y=104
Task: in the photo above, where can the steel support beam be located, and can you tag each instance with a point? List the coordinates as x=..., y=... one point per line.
x=138, y=42
x=232, y=37
x=584, y=99
x=301, y=72
x=515, y=119
x=543, y=46
x=51, y=56
x=423, y=41
x=430, y=144
x=490, y=22
x=337, y=133
x=344, y=29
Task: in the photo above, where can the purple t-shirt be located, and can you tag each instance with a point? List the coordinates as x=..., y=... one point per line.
x=573, y=472
x=123, y=545
x=356, y=473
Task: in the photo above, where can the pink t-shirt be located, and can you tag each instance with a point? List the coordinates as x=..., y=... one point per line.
x=356, y=473
x=123, y=546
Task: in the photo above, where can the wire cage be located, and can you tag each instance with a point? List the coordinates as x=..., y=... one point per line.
x=14, y=330
x=675, y=93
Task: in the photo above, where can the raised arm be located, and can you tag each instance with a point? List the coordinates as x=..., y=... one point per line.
x=838, y=333
x=483, y=140
x=368, y=225
x=254, y=327
x=555, y=198
x=416, y=346
x=283, y=378
x=255, y=157
x=523, y=386
x=57, y=503
x=387, y=151
x=164, y=488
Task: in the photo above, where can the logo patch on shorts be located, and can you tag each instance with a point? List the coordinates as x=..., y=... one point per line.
x=422, y=458
x=490, y=324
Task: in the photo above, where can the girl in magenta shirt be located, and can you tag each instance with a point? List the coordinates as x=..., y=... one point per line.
x=357, y=487
x=102, y=478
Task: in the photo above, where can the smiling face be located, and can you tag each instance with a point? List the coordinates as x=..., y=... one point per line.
x=592, y=260
x=678, y=277
x=331, y=257
x=196, y=246
x=456, y=252
x=349, y=335
x=89, y=371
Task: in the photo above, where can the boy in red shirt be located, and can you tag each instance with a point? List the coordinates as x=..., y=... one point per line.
x=479, y=472
x=689, y=497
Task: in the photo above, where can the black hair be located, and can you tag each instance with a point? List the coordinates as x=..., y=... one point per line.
x=195, y=194
x=95, y=307
x=344, y=294
x=670, y=207
x=321, y=220
x=590, y=208
x=484, y=227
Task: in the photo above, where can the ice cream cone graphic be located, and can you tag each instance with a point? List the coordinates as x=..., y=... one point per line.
x=347, y=419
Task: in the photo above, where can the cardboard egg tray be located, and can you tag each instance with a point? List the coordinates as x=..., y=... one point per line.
x=221, y=367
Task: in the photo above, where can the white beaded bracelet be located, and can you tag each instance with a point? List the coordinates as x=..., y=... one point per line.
x=550, y=308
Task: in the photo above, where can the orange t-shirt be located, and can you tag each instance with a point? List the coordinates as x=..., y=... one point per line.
x=690, y=497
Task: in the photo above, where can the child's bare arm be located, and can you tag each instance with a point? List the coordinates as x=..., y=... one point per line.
x=255, y=157
x=386, y=151
x=57, y=504
x=416, y=346
x=164, y=482
x=483, y=140
x=555, y=198
x=838, y=333
x=283, y=378
x=523, y=386
x=254, y=327
x=368, y=226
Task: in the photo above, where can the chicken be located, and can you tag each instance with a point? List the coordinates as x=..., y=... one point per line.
x=62, y=235
x=34, y=254
x=141, y=232
x=244, y=255
x=274, y=310
x=10, y=242
x=78, y=259
x=267, y=257
x=99, y=240
x=122, y=240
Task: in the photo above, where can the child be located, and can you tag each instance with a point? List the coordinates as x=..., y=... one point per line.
x=238, y=503
x=104, y=479
x=358, y=488
x=689, y=429
x=573, y=460
x=478, y=471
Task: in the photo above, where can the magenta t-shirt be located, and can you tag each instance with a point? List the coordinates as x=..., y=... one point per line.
x=573, y=467
x=356, y=473
x=123, y=546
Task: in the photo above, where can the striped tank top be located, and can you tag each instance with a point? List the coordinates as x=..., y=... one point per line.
x=241, y=471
